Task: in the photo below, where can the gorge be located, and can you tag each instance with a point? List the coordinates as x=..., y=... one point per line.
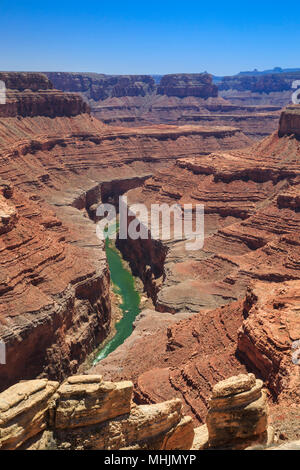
x=227, y=309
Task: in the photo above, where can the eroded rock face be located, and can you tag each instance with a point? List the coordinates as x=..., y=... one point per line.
x=192, y=353
x=238, y=413
x=290, y=121
x=99, y=86
x=32, y=94
x=21, y=81
x=24, y=411
x=87, y=413
x=89, y=401
x=269, y=336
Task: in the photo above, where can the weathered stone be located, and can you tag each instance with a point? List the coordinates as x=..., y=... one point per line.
x=146, y=426
x=234, y=385
x=238, y=418
x=24, y=411
x=83, y=404
x=201, y=438
x=84, y=379
x=180, y=438
x=290, y=121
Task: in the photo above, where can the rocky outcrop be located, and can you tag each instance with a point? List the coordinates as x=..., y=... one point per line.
x=259, y=83
x=238, y=413
x=250, y=201
x=290, y=121
x=102, y=401
x=183, y=85
x=32, y=94
x=21, y=81
x=100, y=87
x=24, y=411
x=87, y=413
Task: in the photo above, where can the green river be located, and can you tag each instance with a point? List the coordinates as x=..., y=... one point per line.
x=124, y=286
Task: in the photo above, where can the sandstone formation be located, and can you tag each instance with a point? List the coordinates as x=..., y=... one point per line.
x=87, y=400
x=22, y=81
x=24, y=411
x=238, y=414
x=275, y=353
x=176, y=99
x=87, y=413
x=289, y=123
x=191, y=354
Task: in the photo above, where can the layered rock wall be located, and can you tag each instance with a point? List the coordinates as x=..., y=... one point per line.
x=32, y=94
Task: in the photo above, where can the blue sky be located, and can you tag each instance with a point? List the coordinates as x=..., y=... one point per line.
x=160, y=37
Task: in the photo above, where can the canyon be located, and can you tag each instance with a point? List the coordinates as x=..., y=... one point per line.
x=227, y=309
x=244, y=281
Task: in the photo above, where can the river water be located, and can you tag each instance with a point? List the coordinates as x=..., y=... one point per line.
x=124, y=286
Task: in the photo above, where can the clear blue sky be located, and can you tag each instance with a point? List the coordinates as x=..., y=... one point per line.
x=149, y=37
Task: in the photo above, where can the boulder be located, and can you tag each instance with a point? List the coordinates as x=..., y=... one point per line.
x=238, y=413
x=24, y=411
x=87, y=400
